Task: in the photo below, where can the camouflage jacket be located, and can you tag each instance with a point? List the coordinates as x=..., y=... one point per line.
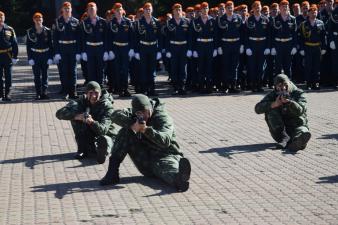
x=293, y=113
x=101, y=113
x=159, y=137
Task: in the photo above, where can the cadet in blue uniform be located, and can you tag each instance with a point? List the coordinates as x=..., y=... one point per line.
x=94, y=44
x=148, y=49
x=325, y=65
x=191, y=75
x=120, y=35
x=204, y=42
x=283, y=39
x=40, y=54
x=312, y=35
x=333, y=43
x=66, y=37
x=298, y=63
x=230, y=37
x=178, y=48
x=8, y=56
x=257, y=45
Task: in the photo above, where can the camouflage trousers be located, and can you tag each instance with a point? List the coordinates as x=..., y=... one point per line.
x=87, y=140
x=278, y=128
x=149, y=161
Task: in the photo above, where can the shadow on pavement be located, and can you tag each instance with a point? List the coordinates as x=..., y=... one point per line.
x=329, y=136
x=63, y=189
x=238, y=149
x=31, y=162
x=328, y=180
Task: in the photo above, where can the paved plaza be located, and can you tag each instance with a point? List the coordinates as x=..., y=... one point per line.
x=238, y=176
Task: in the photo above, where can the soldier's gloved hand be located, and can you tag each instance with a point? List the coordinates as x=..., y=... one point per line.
x=220, y=51
x=293, y=51
x=111, y=55
x=31, y=62
x=273, y=51
x=189, y=53
x=105, y=56
x=195, y=54
x=214, y=54
x=267, y=51
x=131, y=53
x=332, y=45
x=302, y=52
x=84, y=56
x=241, y=49
x=15, y=61
x=50, y=61
x=163, y=51
x=323, y=52
x=137, y=56
x=78, y=57
x=248, y=52
x=158, y=56
x=168, y=55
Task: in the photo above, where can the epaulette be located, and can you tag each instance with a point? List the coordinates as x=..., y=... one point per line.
x=31, y=36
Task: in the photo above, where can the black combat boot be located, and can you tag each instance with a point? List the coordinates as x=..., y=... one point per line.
x=112, y=175
x=299, y=142
x=101, y=150
x=183, y=175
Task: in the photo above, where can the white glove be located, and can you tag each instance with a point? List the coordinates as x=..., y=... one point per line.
x=220, y=51
x=273, y=51
x=15, y=61
x=323, y=51
x=49, y=61
x=302, y=52
x=78, y=57
x=248, y=52
x=57, y=57
x=158, y=56
x=168, y=55
x=195, y=54
x=84, y=56
x=293, y=51
x=241, y=49
x=31, y=62
x=137, y=56
x=189, y=53
x=267, y=51
x=111, y=55
x=105, y=56
x=332, y=45
x=214, y=54
x=131, y=53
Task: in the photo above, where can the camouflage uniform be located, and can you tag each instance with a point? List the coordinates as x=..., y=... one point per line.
x=101, y=133
x=290, y=118
x=155, y=152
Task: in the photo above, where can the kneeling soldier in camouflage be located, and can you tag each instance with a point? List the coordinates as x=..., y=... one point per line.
x=90, y=116
x=285, y=114
x=148, y=136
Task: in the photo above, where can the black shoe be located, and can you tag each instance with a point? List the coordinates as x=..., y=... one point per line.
x=316, y=86
x=299, y=143
x=73, y=96
x=112, y=175
x=126, y=93
x=283, y=143
x=37, y=97
x=101, y=151
x=183, y=175
x=6, y=98
x=182, y=92
x=152, y=93
x=44, y=96
x=80, y=155
x=234, y=90
x=175, y=92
